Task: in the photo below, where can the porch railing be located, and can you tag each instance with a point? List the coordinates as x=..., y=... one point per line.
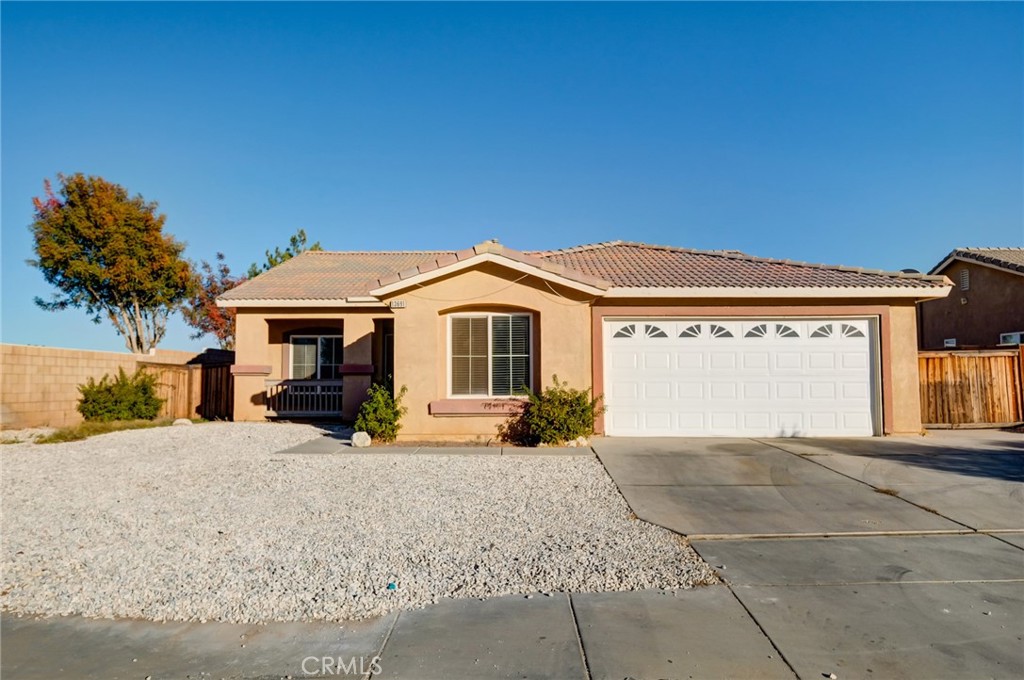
x=303, y=397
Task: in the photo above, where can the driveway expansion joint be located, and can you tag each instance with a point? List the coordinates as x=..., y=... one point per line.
x=579, y=637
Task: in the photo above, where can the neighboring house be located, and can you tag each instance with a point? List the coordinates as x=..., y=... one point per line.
x=986, y=307
x=679, y=342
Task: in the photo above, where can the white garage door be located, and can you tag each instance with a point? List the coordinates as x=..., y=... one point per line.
x=727, y=377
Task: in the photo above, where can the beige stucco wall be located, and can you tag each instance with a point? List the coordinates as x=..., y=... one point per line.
x=561, y=334
x=905, y=387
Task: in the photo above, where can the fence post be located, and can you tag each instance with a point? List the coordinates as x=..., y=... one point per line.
x=195, y=389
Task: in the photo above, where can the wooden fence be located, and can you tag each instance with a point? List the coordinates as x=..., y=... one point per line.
x=203, y=390
x=982, y=387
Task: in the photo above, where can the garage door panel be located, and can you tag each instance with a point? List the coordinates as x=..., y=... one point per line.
x=746, y=378
x=788, y=361
x=657, y=390
x=723, y=360
x=693, y=390
x=658, y=361
x=755, y=361
x=724, y=390
x=756, y=390
x=658, y=421
x=789, y=390
x=624, y=359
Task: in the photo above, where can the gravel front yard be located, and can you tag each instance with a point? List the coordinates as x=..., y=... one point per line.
x=208, y=523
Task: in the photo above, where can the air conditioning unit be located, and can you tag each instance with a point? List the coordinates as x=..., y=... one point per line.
x=949, y=342
x=1011, y=338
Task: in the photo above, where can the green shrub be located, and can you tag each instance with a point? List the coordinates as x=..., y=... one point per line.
x=380, y=413
x=126, y=397
x=555, y=416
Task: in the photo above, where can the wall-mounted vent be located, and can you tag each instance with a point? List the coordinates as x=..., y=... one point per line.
x=965, y=279
x=1011, y=338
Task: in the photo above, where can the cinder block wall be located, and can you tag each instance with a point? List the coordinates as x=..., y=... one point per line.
x=39, y=385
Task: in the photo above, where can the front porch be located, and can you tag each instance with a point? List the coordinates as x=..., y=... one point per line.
x=317, y=365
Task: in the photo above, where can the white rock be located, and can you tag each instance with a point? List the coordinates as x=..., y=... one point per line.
x=361, y=440
x=182, y=421
x=549, y=524
x=582, y=441
x=571, y=443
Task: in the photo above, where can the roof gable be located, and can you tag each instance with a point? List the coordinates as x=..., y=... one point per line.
x=491, y=251
x=1007, y=259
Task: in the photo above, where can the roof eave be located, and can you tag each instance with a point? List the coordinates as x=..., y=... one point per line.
x=932, y=293
x=355, y=301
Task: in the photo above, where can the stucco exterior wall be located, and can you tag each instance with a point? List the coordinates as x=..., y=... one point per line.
x=993, y=304
x=561, y=337
x=905, y=384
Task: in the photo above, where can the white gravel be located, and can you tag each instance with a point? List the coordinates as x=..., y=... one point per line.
x=208, y=523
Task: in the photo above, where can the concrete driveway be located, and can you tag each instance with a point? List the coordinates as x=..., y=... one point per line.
x=947, y=482
x=862, y=557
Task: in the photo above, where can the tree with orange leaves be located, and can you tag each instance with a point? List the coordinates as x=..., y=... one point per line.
x=106, y=251
x=201, y=311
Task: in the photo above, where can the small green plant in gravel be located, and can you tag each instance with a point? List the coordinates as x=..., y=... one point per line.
x=380, y=414
x=126, y=397
x=557, y=415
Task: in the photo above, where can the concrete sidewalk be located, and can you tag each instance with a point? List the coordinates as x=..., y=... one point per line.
x=703, y=633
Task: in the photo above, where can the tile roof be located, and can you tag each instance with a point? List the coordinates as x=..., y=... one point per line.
x=1011, y=259
x=639, y=265
x=327, y=275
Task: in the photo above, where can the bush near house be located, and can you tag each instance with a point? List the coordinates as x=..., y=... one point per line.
x=380, y=413
x=555, y=416
x=126, y=397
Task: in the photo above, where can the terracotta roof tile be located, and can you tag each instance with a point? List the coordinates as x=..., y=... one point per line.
x=639, y=265
x=1011, y=259
x=324, y=275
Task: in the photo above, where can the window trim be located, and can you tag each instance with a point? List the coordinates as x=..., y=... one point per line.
x=490, y=354
x=291, y=352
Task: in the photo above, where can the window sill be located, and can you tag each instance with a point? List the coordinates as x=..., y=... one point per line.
x=487, y=406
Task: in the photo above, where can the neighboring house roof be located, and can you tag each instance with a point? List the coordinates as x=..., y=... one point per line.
x=1009, y=259
x=614, y=269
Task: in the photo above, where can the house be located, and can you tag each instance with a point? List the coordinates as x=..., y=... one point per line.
x=679, y=342
x=986, y=307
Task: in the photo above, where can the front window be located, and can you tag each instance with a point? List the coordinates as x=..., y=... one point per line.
x=490, y=354
x=316, y=357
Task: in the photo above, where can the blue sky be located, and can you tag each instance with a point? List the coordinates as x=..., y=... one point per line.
x=877, y=135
